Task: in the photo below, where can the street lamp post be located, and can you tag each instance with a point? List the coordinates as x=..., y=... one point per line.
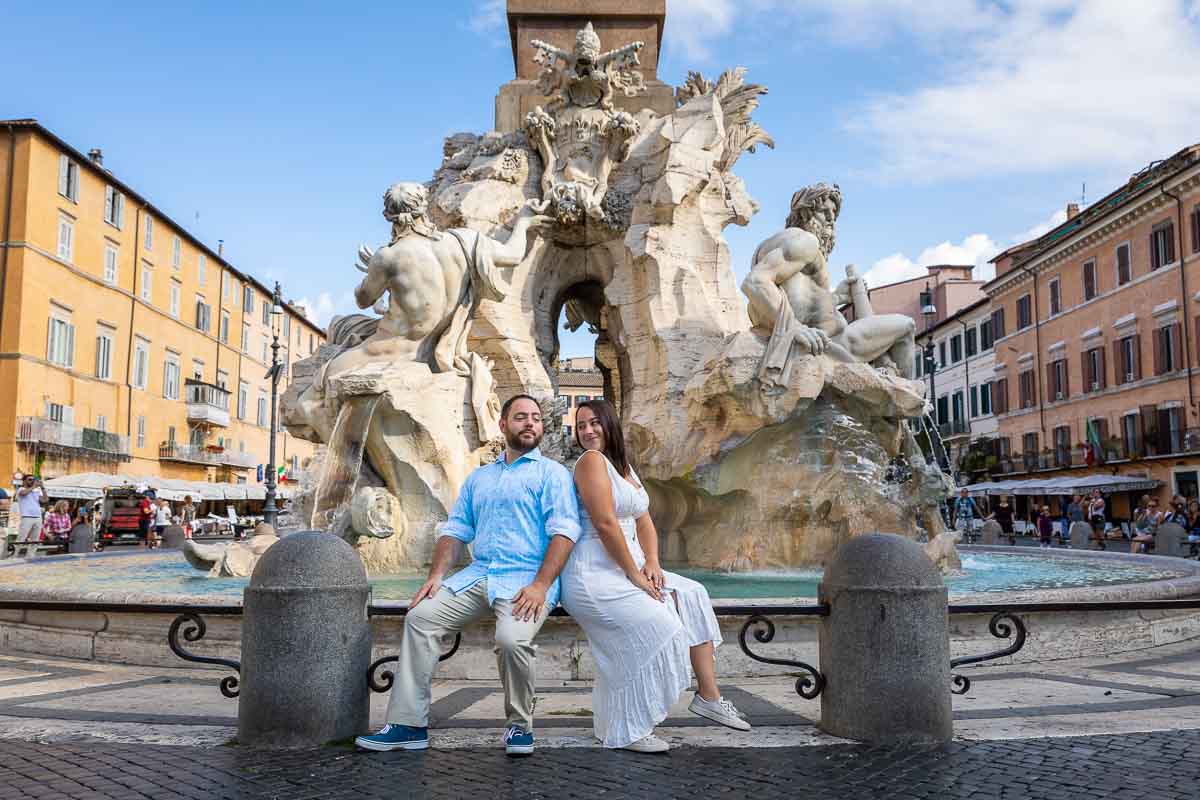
x=269, y=512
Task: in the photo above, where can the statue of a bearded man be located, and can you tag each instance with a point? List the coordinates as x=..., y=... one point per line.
x=788, y=288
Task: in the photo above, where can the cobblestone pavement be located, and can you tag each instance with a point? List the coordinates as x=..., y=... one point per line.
x=1156, y=765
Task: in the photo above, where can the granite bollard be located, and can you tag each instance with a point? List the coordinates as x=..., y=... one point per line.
x=306, y=644
x=1081, y=535
x=885, y=646
x=173, y=538
x=1170, y=540
x=82, y=539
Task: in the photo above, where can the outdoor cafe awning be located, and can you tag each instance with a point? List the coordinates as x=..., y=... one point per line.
x=91, y=485
x=1081, y=484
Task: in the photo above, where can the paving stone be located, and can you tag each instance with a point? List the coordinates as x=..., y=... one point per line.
x=1074, y=768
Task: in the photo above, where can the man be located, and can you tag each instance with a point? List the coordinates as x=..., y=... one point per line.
x=789, y=294
x=146, y=518
x=521, y=518
x=30, y=499
x=964, y=515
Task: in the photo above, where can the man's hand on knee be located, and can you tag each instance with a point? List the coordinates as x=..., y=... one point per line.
x=529, y=602
x=428, y=589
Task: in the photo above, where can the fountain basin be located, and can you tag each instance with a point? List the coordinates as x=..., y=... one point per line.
x=993, y=575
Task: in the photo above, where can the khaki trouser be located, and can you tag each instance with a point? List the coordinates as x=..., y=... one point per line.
x=30, y=529
x=448, y=613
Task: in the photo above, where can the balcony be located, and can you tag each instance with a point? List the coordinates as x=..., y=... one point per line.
x=958, y=427
x=58, y=438
x=209, y=456
x=207, y=404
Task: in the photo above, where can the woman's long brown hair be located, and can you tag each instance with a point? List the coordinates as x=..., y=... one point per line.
x=614, y=439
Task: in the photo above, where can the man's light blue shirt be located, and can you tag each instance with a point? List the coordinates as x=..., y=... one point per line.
x=508, y=513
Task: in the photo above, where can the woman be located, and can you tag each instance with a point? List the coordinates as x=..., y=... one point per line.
x=1004, y=516
x=1145, y=525
x=1045, y=527
x=58, y=523
x=1193, y=528
x=187, y=516
x=644, y=625
x=162, y=518
x=1177, y=513
x=1096, y=517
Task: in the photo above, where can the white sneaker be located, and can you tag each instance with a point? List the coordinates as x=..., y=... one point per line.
x=648, y=744
x=719, y=710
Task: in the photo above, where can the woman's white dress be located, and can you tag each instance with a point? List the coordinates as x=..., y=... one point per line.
x=640, y=645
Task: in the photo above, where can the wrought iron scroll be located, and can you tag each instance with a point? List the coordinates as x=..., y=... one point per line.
x=1003, y=625
x=807, y=686
x=387, y=678
x=194, y=632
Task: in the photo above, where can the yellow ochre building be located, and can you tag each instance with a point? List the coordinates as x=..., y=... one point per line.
x=126, y=344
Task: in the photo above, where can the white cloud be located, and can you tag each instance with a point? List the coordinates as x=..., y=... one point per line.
x=1054, y=84
x=1021, y=86
x=325, y=306
x=1053, y=221
x=487, y=17
x=975, y=249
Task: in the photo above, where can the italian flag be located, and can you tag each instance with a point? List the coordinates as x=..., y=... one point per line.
x=1095, y=454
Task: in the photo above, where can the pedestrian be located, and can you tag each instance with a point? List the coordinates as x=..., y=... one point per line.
x=57, y=529
x=965, y=514
x=520, y=516
x=1193, y=528
x=146, y=519
x=1045, y=527
x=1145, y=526
x=162, y=518
x=1095, y=512
x=30, y=499
x=1004, y=516
x=1177, y=513
x=187, y=516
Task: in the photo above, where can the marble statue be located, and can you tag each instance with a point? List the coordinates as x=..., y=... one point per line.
x=789, y=294
x=579, y=136
x=943, y=552
x=766, y=437
x=400, y=400
x=233, y=560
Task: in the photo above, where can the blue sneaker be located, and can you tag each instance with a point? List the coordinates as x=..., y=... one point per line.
x=396, y=737
x=517, y=742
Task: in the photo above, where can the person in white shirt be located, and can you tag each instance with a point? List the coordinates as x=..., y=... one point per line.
x=162, y=518
x=30, y=499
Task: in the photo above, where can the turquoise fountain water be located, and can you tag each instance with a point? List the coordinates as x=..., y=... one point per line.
x=167, y=573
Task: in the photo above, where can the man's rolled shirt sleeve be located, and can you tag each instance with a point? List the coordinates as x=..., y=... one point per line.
x=461, y=523
x=560, y=509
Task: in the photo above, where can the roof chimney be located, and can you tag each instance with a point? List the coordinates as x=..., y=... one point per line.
x=1072, y=210
x=96, y=156
x=221, y=247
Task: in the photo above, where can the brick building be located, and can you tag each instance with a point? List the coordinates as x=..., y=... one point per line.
x=1096, y=327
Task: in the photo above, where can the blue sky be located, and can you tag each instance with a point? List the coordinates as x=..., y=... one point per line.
x=954, y=128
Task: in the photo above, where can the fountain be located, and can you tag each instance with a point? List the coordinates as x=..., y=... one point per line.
x=765, y=436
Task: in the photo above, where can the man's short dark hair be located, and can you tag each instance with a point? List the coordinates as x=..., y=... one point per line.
x=509, y=402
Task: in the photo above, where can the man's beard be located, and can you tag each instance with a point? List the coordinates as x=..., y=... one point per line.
x=826, y=235
x=513, y=440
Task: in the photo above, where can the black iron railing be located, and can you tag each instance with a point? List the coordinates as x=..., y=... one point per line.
x=1006, y=622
